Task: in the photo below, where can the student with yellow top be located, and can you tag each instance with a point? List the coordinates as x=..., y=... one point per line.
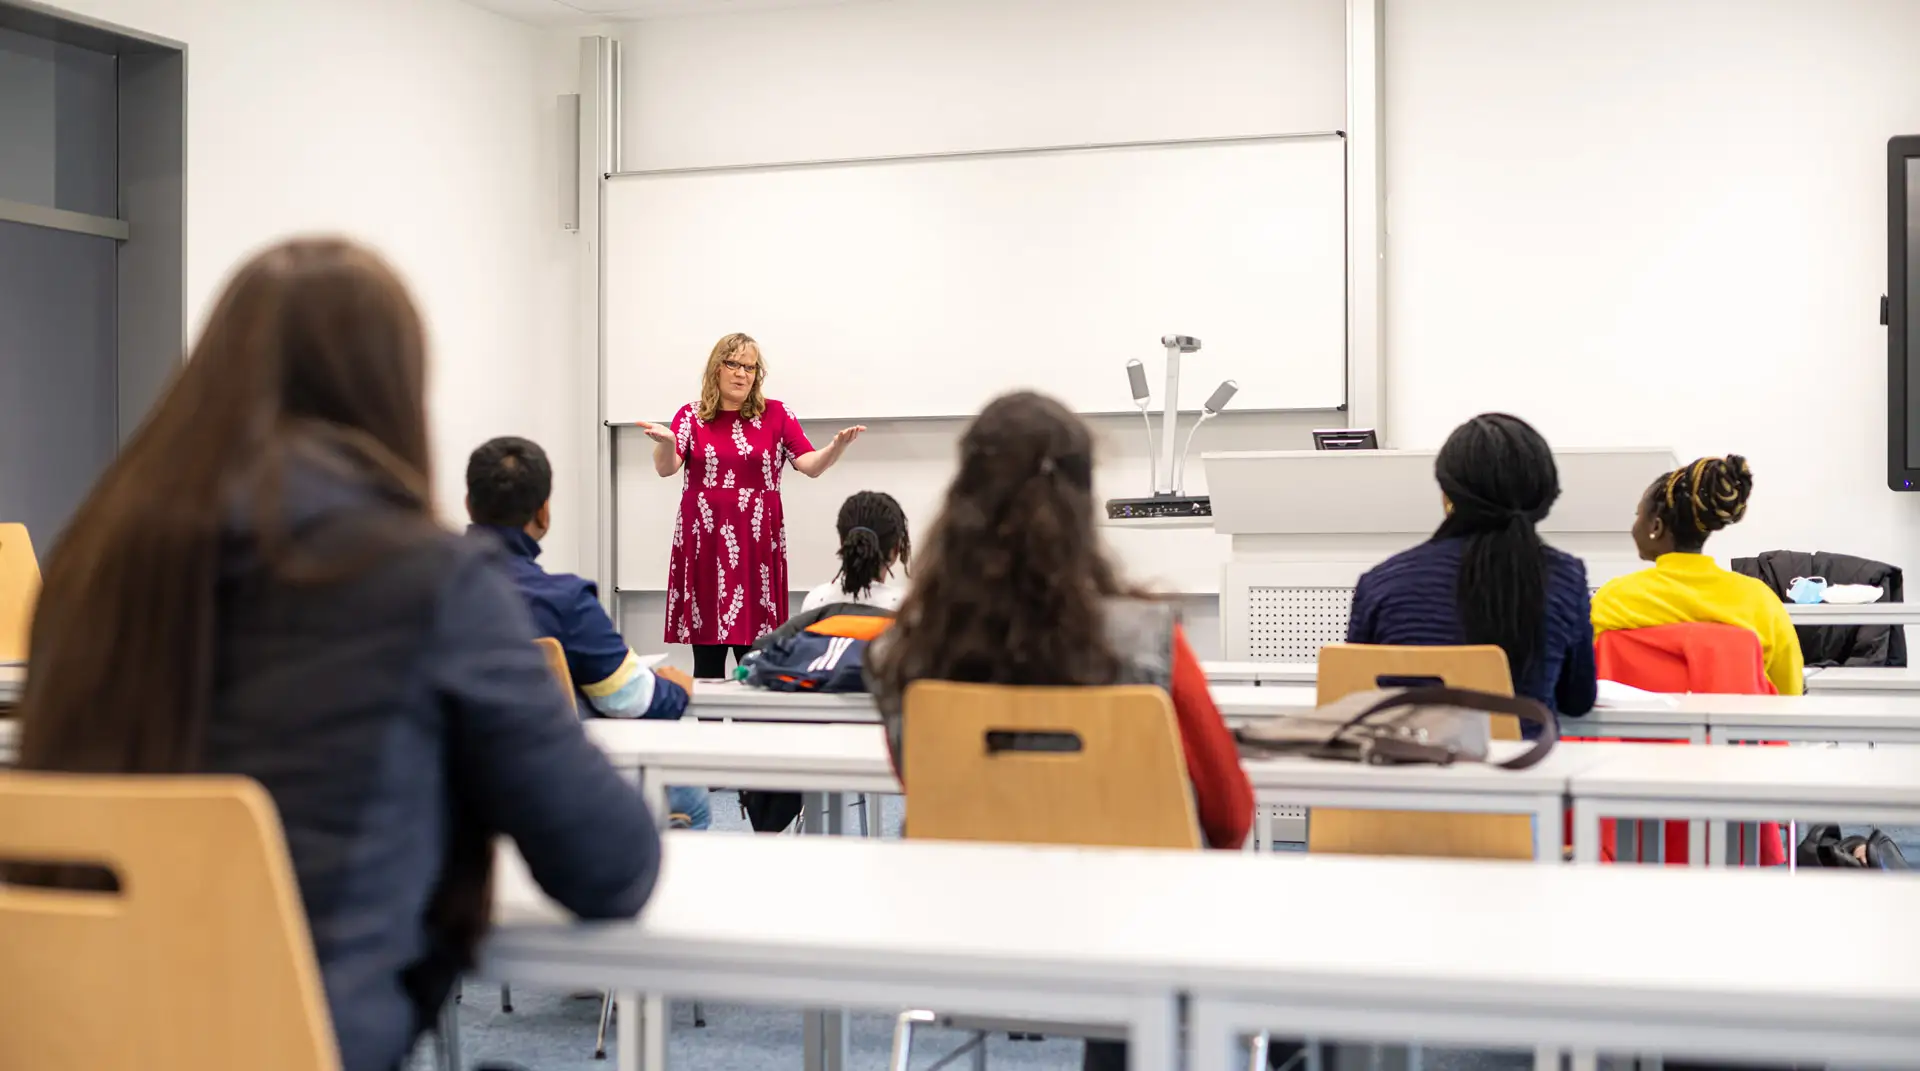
x=1675, y=517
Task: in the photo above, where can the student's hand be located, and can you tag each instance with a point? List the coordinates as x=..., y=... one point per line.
x=668, y=673
x=659, y=433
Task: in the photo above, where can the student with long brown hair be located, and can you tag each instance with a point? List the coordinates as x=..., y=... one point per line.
x=257, y=586
x=1014, y=587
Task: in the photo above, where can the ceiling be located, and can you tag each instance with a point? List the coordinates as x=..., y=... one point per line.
x=562, y=12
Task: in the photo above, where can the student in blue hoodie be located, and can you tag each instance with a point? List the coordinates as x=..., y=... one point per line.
x=509, y=488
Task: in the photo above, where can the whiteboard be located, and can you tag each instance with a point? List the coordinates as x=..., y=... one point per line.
x=925, y=287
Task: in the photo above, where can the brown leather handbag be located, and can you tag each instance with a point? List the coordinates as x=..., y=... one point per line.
x=1437, y=726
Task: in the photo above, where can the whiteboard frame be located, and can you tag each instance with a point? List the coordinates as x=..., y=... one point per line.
x=1366, y=230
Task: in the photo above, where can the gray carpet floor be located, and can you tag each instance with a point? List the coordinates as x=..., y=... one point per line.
x=553, y=1031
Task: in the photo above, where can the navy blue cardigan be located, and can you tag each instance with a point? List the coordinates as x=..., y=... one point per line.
x=1410, y=600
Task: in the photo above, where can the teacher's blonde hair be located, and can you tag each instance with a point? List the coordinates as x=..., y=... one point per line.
x=729, y=346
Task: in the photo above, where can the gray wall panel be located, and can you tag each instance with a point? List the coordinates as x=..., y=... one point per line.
x=57, y=410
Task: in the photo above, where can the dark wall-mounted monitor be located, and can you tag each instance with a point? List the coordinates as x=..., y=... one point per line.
x=1901, y=312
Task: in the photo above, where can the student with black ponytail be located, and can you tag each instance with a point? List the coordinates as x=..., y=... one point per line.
x=1486, y=577
x=873, y=541
x=1676, y=515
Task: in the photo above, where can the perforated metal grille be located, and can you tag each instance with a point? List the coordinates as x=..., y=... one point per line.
x=1292, y=624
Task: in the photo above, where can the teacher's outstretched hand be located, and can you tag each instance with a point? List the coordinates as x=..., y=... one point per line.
x=727, y=580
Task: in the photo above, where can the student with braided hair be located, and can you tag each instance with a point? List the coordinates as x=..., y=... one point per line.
x=1486, y=577
x=873, y=542
x=1677, y=514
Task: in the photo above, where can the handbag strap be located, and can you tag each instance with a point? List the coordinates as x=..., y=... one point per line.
x=1520, y=707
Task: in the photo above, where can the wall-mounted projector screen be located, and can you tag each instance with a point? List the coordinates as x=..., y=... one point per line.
x=924, y=287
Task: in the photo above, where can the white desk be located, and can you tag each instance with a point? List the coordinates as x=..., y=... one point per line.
x=1668, y=718
x=1864, y=680
x=1738, y=784
x=731, y=701
x=826, y=759
x=12, y=680
x=1260, y=672
x=1539, y=792
x=997, y=931
x=1102, y=936
x=1482, y=955
x=1819, y=717
x=833, y=759
x=1874, y=613
x=1682, y=717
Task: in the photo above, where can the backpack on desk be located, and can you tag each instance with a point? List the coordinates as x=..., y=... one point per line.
x=823, y=651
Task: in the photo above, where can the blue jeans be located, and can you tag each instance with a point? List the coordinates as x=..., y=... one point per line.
x=688, y=809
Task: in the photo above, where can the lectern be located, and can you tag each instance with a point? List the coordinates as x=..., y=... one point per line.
x=1305, y=525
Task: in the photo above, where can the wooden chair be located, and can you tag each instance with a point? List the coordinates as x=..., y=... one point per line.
x=19, y=587
x=201, y=961
x=1080, y=766
x=556, y=657
x=1067, y=766
x=1348, y=668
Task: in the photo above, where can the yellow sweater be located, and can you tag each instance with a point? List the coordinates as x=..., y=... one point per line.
x=1692, y=587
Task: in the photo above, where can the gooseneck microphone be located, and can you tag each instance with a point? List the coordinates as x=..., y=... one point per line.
x=1143, y=398
x=1209, y=409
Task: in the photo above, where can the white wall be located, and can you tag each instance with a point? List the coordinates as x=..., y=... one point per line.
x=1660, y=223
x=915, y=76
x=427, y=128
x=870, y=78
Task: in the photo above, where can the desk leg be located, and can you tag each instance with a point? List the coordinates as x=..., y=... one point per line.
x=836, y=814
x=653, y=1032
x=813, y=816
x=1263, y=827
x=1715, y=853
x=628, y=1026
x=654, y=793
x=450, y=1031
x=824, y=1037
x=1548, y=834
x=1586, y=831
x=1211, y=1043
x=1153, y=1038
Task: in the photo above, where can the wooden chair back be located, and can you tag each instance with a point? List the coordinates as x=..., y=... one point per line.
x=19, y=588
x=1080, y=766
x=1348, y=668
x=556, y=657
x=201, y=961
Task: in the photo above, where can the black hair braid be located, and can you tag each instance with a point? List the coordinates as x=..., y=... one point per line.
x=1699, y=499
x=1500, y=476
x=873, y=534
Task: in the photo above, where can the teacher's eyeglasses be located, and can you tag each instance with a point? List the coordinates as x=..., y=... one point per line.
x=732, y=365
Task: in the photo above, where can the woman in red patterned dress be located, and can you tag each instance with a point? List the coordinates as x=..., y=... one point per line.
x=727, y=584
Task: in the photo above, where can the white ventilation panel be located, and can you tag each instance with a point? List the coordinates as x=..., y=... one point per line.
x=1291, y=624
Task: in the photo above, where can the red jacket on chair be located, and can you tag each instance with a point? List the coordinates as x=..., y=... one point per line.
x=1689, y=657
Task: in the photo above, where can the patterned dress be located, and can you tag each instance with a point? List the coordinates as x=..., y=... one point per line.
x=728, y=579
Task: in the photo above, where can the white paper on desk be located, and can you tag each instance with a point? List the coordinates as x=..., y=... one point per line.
x=1613, y=694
